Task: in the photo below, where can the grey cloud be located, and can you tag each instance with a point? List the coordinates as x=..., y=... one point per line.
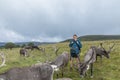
x=49, y=19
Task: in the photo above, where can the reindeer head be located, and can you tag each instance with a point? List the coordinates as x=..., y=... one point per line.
x=82, y=69
x=105, y=52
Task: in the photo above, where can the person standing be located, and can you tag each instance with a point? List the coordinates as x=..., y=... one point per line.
x=75, y=48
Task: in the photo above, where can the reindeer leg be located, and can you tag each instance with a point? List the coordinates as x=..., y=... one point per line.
x=101, y=59
x=96, y=57
x=57, y=74
x=56, y=53
x=85, y=74
x=91, y=70
x=62, y=73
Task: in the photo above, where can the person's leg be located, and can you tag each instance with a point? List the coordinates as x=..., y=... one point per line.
x=78, y=60
x=71, y=62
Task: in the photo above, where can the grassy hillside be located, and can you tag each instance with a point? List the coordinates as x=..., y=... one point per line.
x=108, y=70
x=97, y=37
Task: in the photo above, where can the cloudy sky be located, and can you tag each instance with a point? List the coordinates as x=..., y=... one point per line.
x=56, y=20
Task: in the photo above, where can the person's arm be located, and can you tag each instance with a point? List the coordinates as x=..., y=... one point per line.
x=71, y=43
x=80, y=45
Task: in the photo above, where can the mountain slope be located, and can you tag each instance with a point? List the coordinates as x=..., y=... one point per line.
x=21, y=43
x=97, y=37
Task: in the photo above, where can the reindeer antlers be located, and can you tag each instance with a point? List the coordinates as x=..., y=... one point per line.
x=110, y=48
x=56, y=49
x=101, y=44
x=3, y=59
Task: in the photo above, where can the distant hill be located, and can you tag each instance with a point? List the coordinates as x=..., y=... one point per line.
x=21, y=43
x=97, y=37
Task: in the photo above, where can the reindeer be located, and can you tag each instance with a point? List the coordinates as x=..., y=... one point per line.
x=89, y=59
x=64, y=79
x=23, y=52
x=60, y=62
x=101, y=51
x=35, y=47
x=37, y=72
x=28, y=47
x=3, y=59
x=32, y=47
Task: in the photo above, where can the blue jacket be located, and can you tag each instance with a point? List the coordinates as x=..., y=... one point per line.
x=75, y=46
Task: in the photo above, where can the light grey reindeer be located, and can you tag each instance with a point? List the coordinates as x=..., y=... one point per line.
x=89, y=59
x=60, y=62
x=101, y=51
x=36, y=72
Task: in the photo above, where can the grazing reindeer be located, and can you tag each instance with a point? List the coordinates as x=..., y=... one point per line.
x=35, y=47
x=37, y=72
x=28, y=47
x=3, y=59
x=32, y=47
x=89, y=59
x=64, y=79
x=23, y=52
x=60, y=62
x=102, y=52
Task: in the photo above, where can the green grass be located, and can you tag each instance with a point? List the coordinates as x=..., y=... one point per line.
x=108, y=70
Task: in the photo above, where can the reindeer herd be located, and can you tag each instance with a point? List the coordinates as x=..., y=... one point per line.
x=45, y=71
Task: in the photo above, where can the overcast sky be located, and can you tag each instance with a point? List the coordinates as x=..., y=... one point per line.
x=56, y=20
